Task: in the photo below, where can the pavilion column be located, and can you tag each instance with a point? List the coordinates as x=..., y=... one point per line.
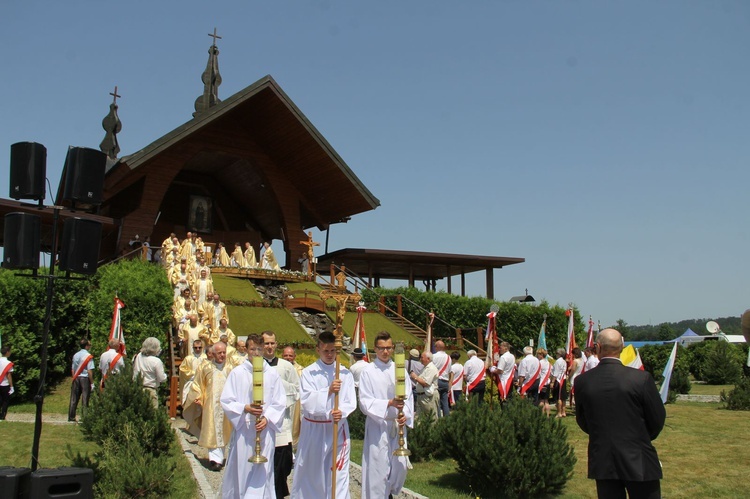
x=411, y=276
x=448, y=277
x=490, y=284
x=369, y=274
x=463, y=283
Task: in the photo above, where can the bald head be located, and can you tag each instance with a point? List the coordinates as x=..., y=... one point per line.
x=439, y=346
x=610, y=343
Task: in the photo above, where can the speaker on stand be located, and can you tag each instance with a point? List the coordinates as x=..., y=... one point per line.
x=21, y=237
x=28, y=169
x=84, y=175
x=80, y=245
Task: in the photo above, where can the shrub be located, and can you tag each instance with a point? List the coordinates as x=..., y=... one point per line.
x=125, y=401
x=422, y=439
x=23, y=302
x=739, y=398
x=723, y=365
x=138, y=453
x=679, y=383
x=517, y=322
x=147, y=295
x=514, y=441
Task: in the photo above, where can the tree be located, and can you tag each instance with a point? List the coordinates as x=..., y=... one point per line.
x=623, y=328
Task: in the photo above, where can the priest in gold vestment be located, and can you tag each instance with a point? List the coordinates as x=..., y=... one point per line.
x=202, y=410
x=269, y=259
x=250, y=260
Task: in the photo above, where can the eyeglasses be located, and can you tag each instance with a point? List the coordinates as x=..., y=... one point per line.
x=383, y=349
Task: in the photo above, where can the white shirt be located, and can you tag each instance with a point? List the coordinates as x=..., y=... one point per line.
x=290, y=380
x=356, y=370
x=505, y=365
x=474, y=367
x=150, y=368
x=430, y=376
x=559, y=368
x=3, y=363
x=543, y=373
x=78, y=359
x=528, y=367
x=592, y=362
x=106, y=359
x=440, y=359
x=382, y=472
x=458, y=376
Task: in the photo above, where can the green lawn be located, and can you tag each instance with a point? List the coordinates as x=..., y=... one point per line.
x=233, y=288
x=374, y=323
x=248, y=320
x=55, y=401
x=703, y=450
x=701, y=389
x=18, y=437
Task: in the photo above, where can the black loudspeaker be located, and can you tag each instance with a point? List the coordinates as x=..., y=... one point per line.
x=21, y=241
x=84, y=175
x=28, y=170
x=62, y=483
x=14, y=482
x=80, y=245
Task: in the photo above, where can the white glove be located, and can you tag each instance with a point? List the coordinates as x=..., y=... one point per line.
x=92, y=387
x=12, y=391
x=493, y=369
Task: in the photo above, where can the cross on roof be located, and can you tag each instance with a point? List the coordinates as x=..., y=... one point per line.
x=114, y=95
x=214, y=36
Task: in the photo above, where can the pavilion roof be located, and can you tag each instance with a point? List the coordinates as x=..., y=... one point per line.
x=395, y=264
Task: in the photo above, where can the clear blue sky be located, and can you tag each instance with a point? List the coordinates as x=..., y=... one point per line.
x=606, y=142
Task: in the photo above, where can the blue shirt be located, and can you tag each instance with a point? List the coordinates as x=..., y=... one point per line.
x=78, y=359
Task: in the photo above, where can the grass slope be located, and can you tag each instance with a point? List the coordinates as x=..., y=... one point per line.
x=248, y=320
x=232, y=288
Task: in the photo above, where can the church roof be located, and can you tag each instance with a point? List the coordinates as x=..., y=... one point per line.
x=264, y=114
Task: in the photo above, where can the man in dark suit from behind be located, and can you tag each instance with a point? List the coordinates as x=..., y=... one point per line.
x=622, y=412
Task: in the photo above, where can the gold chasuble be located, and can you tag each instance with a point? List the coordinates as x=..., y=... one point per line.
x=202, y=409
x=269, y=260
x=250, y=260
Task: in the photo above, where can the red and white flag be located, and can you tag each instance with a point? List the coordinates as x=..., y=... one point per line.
x=115, y=332
x=570, y=343
x=360, y=339
x=590, y=338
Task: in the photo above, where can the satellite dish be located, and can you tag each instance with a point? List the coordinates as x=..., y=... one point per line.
x=712, y=327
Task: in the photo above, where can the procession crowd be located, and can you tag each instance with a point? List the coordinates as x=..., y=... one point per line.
x=259, y=427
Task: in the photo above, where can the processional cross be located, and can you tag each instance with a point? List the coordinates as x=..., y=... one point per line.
x=339, y=294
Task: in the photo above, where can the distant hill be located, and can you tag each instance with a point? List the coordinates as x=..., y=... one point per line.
x=671, y=330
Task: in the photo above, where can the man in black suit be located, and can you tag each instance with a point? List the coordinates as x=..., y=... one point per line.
x=622, y=412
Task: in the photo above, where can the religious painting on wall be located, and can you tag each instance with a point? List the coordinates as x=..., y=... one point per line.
x=199, y=217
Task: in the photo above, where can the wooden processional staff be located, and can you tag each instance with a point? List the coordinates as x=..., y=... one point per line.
x=341, y=297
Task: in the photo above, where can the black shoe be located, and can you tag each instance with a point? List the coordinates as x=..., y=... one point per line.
x=214, y=466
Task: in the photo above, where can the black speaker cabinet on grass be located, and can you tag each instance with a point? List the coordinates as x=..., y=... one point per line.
x=62, y=483
x=14, y=482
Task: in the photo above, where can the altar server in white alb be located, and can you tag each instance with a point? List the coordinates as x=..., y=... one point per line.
x=312, y=472
x=383, y=474
x=241, y=478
